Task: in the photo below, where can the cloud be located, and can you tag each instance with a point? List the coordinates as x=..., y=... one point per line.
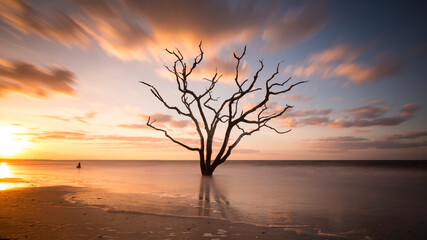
x=48, y=135
x=373, y=101
x=223, y=66
x=111, y=141
x=339, y=52
x=297, y=98
x=165, y=119
x=359, y=73
x=294, y=26
x=305, y=113
x=408, y=135
x=360, y=130
x=81, y=135
x=409, y=109
x=340, y=61
x=367, y=112
x=27, y=79
x=82, y=119
x=345, y=143
x=138, y=30
x=48, y=23
x=130, y=138
x=299, y=118
x=117, y=31
x=365, y=116
x=133, y=126
x=370, y=116
x=220, y=24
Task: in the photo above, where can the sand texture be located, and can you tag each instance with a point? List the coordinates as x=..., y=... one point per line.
x=42, y=213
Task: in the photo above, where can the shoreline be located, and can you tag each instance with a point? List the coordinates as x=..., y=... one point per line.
x=43, y=213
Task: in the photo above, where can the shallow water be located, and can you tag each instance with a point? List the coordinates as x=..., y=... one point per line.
x=353, y=200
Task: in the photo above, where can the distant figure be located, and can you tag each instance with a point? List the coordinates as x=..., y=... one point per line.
x=79, y=165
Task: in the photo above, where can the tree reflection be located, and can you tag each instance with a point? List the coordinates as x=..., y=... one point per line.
x=212, y=201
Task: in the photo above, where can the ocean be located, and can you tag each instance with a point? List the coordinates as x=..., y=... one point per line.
x=347, y=199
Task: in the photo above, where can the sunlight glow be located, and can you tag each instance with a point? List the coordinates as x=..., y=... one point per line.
x=10, y=144
x=4, y=186
x=4, y=171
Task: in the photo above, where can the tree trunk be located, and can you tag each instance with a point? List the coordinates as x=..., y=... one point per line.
x=208, y=170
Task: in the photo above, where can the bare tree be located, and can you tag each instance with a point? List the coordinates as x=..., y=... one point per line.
x=199, y=108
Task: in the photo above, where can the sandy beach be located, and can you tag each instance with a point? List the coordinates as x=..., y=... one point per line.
x=42, y=213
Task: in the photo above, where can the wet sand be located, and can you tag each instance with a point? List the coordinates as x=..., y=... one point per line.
x=42, y=213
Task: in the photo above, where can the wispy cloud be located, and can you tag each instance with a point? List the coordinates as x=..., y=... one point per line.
x=298, y=118
x=295, y=25
x=132, y=29
x=166, y=120
x=82, y=118
x=370, y=116
x=366, y=116
x=49, y=23
x=69, y=135
x=345, y=143
x=27, y=79
x=408, y=135
x=373, y=101
x=133, y=126
x=223, y=66
x=341, y=61
x=116, y=141
x=297, y=98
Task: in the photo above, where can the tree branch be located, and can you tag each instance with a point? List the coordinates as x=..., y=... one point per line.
x=150, y=124
x=160, y=98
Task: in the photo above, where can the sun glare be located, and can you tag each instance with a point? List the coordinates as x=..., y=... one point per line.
x=10, y=143
x=4, y=171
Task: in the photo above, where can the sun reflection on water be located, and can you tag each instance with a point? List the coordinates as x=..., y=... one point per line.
x=4, y=186
x=4, y=171
x=4, y=174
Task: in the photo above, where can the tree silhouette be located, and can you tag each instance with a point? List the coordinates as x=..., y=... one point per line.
x=198, y=107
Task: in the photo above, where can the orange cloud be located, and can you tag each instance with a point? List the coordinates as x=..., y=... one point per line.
x=47, y=135
x=339, y=52
x=359, y=73
x=111, y=141
x=27, y=79
x=49, y=24
x=339, y=61
x=225, y=67
x=133, y=126
x=132, y=29
x=82, y=119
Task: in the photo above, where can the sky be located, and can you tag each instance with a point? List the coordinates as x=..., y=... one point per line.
x=70, y=72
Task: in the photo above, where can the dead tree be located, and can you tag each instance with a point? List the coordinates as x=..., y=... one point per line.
x=206, y=117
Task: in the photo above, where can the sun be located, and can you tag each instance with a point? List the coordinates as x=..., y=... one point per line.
x=10, y=142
